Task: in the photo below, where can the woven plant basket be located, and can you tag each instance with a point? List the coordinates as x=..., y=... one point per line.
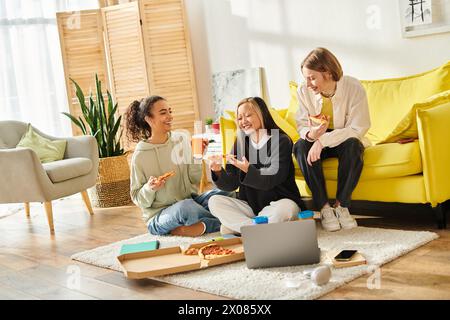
x=112, y=188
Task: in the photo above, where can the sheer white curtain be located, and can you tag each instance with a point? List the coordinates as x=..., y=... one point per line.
x=32, y=87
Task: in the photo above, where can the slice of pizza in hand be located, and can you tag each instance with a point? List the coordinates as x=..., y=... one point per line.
x=218, y=157
x=319, y=119
x=166, y=176
x=212, y=251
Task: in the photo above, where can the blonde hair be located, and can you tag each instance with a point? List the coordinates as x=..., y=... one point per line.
x=322, y=60
x=255, y=107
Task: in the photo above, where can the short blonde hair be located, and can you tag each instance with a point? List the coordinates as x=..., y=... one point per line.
x=322, y=60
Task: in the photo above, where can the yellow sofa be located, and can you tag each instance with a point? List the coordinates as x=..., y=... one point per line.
x=416, y=107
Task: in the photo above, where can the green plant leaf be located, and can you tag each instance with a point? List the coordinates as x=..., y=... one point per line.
x=111, y=116
x=111, y=109
x=100, y=119
x=80, y=96
x=95, y=134
x=102, y=115
x=74, y=120
x=83, y=129
x=93, y=115
x=113, y=135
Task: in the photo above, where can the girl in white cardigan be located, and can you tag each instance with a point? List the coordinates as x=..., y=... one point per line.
x=340, y=103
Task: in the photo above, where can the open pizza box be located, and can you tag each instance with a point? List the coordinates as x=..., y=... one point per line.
x=171, y=260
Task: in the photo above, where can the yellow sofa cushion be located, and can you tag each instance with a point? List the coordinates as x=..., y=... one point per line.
x=390, y=100
x=408, y=189
x=284, y=125
x=282, y=112
x=231, y=114
x=293, y=104
x=382, y=161
x=407, y=128
x=228, y=133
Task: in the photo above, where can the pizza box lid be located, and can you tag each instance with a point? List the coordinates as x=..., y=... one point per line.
x=171, y=260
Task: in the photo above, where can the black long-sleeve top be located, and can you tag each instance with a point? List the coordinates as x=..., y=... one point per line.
x=270, y=176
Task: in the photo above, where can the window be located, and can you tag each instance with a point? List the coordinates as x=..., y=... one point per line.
x=32, y=87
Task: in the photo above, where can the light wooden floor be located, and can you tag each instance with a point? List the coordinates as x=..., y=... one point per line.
x=35, y=265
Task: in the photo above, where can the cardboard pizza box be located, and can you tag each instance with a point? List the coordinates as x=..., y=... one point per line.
x=171, y=260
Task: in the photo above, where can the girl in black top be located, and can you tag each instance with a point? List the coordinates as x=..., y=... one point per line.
x=261, y=166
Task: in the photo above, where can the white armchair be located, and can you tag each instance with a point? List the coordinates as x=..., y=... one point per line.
x=25, y=179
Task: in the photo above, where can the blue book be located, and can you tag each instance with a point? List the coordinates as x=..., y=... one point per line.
x=139, y=247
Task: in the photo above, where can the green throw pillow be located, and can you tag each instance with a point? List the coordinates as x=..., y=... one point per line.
x=47, y=150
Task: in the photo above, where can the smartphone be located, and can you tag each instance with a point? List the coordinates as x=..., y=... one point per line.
x=345, y=255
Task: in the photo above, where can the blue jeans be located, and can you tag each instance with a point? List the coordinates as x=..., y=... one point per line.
x=187, y=212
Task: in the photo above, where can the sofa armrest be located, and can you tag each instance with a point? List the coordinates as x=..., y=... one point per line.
x=23, y=177
x=433, y=125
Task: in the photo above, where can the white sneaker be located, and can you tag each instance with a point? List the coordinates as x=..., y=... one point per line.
x=329, y=220
x=345, y=218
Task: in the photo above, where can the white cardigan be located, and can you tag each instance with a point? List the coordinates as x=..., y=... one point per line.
x=351, y=116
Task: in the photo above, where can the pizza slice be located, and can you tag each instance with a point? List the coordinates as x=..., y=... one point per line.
x=216, y=157
x=166, y=176
x=212, y=251
x=191, y=252
x=319, y=119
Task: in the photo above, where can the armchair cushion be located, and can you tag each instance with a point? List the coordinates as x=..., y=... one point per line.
x=67, y=169
x=46, y=149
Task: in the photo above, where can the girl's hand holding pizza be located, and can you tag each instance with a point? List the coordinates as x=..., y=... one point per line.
x=316, y=130
x=156, y=184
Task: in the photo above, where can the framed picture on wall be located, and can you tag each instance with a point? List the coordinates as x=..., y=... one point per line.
x=424, y=17
x=230, y=87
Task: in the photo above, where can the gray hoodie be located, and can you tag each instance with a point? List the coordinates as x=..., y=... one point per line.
x=156, y=159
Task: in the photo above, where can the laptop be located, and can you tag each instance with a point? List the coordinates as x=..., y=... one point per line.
x=280, y=244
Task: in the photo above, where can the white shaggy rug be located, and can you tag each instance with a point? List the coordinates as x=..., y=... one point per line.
x=235, y=280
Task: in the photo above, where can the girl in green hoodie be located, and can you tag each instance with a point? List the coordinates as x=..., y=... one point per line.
x=169, y=205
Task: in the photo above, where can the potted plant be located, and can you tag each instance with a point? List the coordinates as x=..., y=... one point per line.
x=102, y=121
x=208, y=125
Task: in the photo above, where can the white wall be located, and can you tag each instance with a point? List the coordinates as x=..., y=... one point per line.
x=365, y=35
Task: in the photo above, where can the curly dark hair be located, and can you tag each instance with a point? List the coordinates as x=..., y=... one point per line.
x=137, y=128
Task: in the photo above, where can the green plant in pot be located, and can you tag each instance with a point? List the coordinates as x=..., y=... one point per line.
x=208, y=125
x=102, y=121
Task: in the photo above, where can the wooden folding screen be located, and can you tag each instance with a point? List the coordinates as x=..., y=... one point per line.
x=169, y=58
x=125, y=50
x=148, y=52
x=83, y=54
